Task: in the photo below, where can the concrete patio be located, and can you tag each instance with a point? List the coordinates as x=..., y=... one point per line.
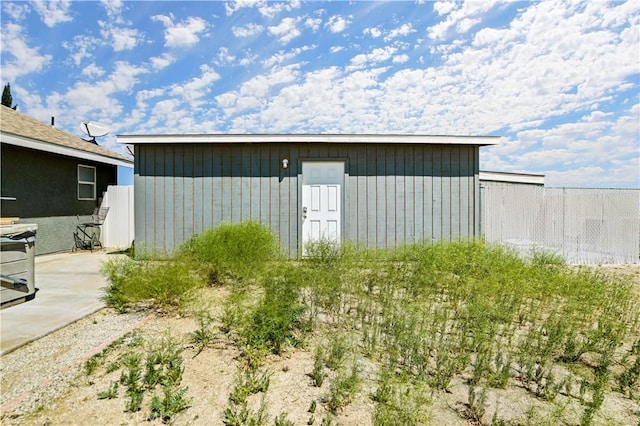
x=69, y=287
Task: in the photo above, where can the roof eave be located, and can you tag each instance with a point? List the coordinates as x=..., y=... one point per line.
x=307, y=138
x=25, y=142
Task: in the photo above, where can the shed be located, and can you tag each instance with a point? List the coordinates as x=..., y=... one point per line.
x=374, y=190
x=51, y=178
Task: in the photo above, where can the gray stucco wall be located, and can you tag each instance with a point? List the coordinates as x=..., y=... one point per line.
x=393, y=194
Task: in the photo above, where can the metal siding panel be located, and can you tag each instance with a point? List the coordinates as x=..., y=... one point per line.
x=216, y=186
x=179, y=160
x=476, y=190
x=381, y=198
x=163, y=199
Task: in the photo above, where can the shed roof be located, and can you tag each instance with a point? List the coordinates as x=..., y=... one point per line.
x=308, y=138
x=21, y=130
x=508, y=177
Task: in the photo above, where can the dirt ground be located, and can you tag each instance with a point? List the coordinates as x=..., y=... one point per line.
x=210, y=376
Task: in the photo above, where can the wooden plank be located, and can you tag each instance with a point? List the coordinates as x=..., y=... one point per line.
x=372, y=189
x=381, y=197
x=391, y=197
x=408, y=210
x=265, y=176
x=436, y=191
x=226, y=189
x=420, y=198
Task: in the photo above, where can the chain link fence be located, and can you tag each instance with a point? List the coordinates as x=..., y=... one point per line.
x=584, y=226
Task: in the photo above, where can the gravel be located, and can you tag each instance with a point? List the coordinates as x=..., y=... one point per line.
x=35, y=374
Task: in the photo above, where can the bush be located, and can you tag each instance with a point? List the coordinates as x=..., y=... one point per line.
x=163, y=284
x=241, y=250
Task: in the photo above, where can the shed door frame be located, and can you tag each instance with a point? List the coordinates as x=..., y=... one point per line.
x=301, y=162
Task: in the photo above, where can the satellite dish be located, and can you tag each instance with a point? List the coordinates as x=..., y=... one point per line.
x=93, y=129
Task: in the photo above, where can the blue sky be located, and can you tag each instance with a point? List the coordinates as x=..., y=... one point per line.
x=558, y=80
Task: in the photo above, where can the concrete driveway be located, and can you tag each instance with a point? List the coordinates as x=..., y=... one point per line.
x=70, y=287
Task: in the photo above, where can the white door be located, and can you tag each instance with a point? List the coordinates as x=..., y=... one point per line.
x=322, y=201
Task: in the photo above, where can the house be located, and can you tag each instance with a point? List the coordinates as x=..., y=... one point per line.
x=51, y=178
x=375, y=190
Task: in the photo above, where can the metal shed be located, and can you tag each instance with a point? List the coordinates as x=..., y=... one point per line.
x=375, y=190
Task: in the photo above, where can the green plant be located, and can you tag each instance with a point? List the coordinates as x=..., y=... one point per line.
x=317, y=375
x=277, y=320
x=239, y=250
x=172, y=403
x=161, y=284
x=337, y=351
x=342, y=390
x=282, y=420
x=110, y=393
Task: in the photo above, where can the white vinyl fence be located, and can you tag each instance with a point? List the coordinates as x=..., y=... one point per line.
x=118, y=227
x=585, y=226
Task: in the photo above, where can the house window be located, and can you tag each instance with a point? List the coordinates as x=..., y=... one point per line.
x=86, y=182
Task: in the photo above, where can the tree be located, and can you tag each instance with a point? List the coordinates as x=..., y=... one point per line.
x=7, y=99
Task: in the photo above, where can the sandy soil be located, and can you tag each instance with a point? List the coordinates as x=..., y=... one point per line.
x=210, y=377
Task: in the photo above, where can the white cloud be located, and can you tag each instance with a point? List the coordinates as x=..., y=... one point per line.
x=376, y=56
x=313, y=23
x=374, y=32
x=337, y=23
x=444, y=7
x=113, y=8
x=92, y=71
x=401, y=31
x=183, y=34
x=121, y=38
x=81, y=47
x=283, y=56
x=271, y=9
x=248, y=30
x=234, y=6
x=15, y=11
x=400, y=59
x=225, y=56
x=53, y=13
x=197, y=87
x=459, y=17
x=162, y=61
x=19, y=58
x=286, y=30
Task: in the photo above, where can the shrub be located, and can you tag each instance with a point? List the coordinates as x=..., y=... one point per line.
x=278, y=318
x=240, y=250
x=163, y=284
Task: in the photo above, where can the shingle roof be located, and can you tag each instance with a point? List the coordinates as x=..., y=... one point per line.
x=15, y=123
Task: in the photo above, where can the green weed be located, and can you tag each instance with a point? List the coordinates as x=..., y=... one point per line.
x=240, y=250
x=161, y=284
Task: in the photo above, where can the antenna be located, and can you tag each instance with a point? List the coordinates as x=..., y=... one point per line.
x=93, y=129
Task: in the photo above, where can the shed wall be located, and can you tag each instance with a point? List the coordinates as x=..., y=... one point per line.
x=393, y=194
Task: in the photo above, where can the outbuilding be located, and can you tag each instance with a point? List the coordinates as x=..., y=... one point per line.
x=374, y=190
